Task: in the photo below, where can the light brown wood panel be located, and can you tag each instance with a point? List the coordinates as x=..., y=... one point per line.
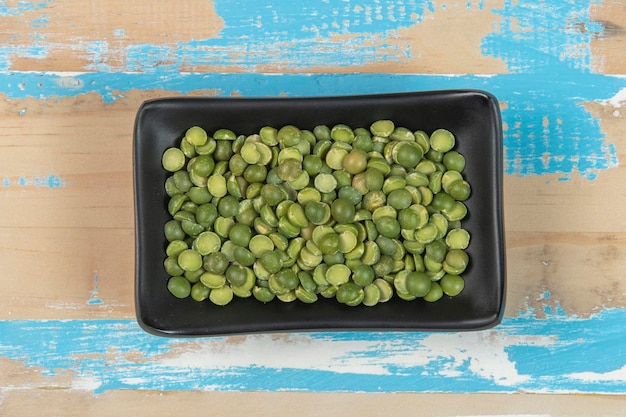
x=68, y=403
x=88, y=224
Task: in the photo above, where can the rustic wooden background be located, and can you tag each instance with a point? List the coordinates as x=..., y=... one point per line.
x=72, y=76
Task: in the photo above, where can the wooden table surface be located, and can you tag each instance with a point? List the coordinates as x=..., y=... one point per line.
x=72, y=76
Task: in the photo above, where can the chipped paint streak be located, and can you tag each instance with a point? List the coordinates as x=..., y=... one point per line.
x=45, y=181
x=243, y=33
x=558, y=354
x=544, y=36
x=271, y=36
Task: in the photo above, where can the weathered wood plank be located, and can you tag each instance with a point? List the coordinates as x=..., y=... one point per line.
x=73, y=73
x=35, y=403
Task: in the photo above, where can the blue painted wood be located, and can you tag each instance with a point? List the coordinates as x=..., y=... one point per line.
x=547, y=128
x=559, y=353
x=548, y=131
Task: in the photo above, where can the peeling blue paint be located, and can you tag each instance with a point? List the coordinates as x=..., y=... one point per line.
x=21, y=7
x=46, y=181
x=544, y=36
x=557, y=354
x=547, y=128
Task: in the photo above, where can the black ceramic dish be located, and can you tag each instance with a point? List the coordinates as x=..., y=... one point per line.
x=473, y=116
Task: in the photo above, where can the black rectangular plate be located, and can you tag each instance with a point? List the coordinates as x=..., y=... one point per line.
x=472, y=115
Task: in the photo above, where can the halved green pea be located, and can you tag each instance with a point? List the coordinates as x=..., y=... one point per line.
x=182, y=181
x=193, y=276
x=271, y=261
x=355, y=161
x=407, y=154
x=228, y=249
x=240, y=235
x=269, y=135
x=347, y=241
x=173, y=159
x=416, y=179
x=206, y=214
x=175, y=247
x=452, y=285
x=338, y=274
x=175, y=203
x=402, y=134
x=393, y=183
x=287, y=228
x=288, y=297
x=190, y=260
x=427, y=233
x=342, y=210
x=399, y=199
x=300, y=182
x=221, y=296
x=288, y=135
x=374, y=179
x=223, y=150
x=259, y=244
x=191, y=228
x=442, y=140
x=199, y=195
x=371, y=253
x=422, y=139
x=371, y=295
x=342, y=133
x=434, y=184
x=441, y=223
x=317, y=212
x=454, y=161
x=348, y=293
x=179, y=287
x=329, y=244
x=363, y=275
x=224, y=134
x=216, y=185
x=306, y=281
x=223, y=225
x=325, y=183
x=200, y=292
x=305, y=295
x=460, y=190
x=373, y=200
x=264, y=295
x=388, y=226
x=351, y=194
x=207, y=243
x=385, y=290
x=382, y=128
x=456, y=261
x=384, y=266
x=255, y=173
x=212, y=281
x=458, y=239
x=418, y=284
x=297, y=216
x=281, y=243
x=196, y=135
x=435, y=293
x=321, y=132
x=171, y=266
x=458, y=212
x=287, y=279
x=208, y=148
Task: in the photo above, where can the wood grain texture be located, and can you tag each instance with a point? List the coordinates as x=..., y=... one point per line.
x=19, y=403
x=72, y=76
